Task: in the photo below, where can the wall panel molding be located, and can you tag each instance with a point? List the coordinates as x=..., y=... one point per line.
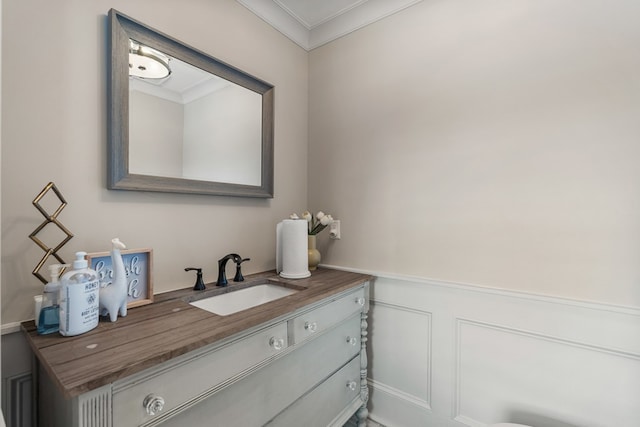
x=497, y=355
x=530, y=296
x=399, y=394
x=505, y=329
x=565, y=369
x=17, y=400
x=413, y=342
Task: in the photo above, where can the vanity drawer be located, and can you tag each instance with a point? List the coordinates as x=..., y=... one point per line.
x=258, y=398
x=178, y=384
x=321, y=406
x=315, y=321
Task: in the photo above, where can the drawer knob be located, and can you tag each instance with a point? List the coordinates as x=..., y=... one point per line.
x=311, y=326
x=153, y=404
x=360, y=301
x=352, y=340
x=276, y=343
x=352, y=385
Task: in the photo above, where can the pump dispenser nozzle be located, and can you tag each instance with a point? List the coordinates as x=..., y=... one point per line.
x=80, y=262
x=56, y=270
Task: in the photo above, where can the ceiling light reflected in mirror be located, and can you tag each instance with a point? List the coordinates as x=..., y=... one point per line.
x=147, y=63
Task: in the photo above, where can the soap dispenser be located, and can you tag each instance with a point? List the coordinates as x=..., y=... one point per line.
x=79, y=293
x=49, y=316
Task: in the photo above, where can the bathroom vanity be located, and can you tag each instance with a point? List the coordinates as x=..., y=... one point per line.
x=297, y=360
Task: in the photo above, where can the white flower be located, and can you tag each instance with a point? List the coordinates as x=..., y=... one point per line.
x=326, y=220
x=318, y=222
x=294, y=216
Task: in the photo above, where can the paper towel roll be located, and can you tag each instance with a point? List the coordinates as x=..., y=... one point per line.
x=291, y=257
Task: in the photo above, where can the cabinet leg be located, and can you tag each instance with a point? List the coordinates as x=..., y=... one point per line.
x=363, y=412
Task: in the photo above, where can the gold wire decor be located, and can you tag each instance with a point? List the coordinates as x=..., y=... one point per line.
x=49, y=218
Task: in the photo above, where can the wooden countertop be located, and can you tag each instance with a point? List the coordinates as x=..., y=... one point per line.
x=165, y=329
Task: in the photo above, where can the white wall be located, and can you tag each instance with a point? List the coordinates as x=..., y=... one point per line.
x=157, y=130
x=54, y=129
x=491, y=143
x=236, y=128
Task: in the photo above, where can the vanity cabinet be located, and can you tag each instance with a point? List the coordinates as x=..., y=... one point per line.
x=306, y=367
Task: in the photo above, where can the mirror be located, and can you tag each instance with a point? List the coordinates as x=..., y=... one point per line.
x=182, y=121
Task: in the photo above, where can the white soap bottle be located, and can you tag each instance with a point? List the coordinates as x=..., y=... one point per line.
x=79, y=293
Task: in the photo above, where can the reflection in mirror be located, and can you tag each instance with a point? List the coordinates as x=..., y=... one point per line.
x=182, y=121
x=192, y=124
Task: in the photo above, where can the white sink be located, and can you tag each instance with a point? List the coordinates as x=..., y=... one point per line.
x=239, y=300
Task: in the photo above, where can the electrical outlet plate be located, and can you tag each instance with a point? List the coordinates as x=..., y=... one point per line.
x=334, y=229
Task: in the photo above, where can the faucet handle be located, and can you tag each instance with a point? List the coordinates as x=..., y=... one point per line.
x=199, y=286
x=238, y=277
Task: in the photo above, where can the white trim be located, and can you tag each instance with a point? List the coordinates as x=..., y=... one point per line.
x=14, y=390
x=458, y=416
x=343, y=23
x=416, y=400
x=311, y=25
x=553, y=299
x=10, y=328
x=546, y=337
x=399, y=394
x=602, y=336
x=280, y=20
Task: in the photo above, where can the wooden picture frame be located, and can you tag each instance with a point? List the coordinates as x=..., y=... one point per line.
x=138, y=265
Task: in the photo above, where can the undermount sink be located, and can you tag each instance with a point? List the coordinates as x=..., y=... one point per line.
x=239, y=300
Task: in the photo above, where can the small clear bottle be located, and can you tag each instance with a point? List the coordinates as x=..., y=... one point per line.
x=49, y=316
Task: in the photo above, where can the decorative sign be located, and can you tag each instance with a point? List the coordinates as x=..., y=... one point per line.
x=138, y=267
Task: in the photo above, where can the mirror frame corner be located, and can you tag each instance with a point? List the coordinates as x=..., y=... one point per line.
x=122, y=28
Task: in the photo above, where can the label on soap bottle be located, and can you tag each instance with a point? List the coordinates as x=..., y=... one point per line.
x=79, y=307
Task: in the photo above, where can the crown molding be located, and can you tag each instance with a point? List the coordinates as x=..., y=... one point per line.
x=339, y=25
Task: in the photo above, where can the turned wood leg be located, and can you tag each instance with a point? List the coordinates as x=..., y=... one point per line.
x=363, y=412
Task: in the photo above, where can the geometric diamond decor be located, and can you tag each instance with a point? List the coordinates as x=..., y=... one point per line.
x=49, y=219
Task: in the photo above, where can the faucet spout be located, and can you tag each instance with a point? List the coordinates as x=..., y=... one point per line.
x=222, y=265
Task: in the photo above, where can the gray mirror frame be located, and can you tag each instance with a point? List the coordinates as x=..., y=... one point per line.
x=122, y=29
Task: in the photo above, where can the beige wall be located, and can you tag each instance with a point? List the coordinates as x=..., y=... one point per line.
x=493, y=143
x=488, y=143
x=54, y=129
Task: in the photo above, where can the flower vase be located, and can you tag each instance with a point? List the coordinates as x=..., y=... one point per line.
x=314, y=254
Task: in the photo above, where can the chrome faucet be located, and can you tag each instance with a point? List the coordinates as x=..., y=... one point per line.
x=222, y=266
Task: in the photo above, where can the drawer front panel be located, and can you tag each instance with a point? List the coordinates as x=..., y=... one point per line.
x=324, y=403
x=184, y=382
x=309, y=324
x=258, y=398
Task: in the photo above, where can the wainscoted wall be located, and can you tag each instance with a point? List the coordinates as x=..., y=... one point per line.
x=16, y=378
x=444, y=354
